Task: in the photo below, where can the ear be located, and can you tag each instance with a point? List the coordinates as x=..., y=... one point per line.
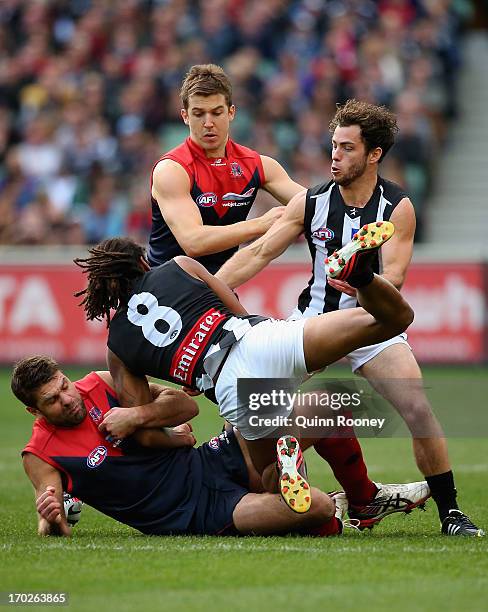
x=232, y=112
x=375, y=154
x=33, y=411
x=184, y=116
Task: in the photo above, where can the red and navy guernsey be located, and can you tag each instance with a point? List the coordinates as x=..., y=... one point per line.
x=223, y=189
x=127, y=481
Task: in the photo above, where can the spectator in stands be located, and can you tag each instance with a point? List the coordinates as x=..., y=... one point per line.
x=92, y=88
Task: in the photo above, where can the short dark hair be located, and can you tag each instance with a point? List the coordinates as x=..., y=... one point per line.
x=378, y=125
x=206, y=80
x=112, y=267
x=29, y=374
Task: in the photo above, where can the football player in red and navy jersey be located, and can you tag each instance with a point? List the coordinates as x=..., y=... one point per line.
x=202, y=191
x=154, y=481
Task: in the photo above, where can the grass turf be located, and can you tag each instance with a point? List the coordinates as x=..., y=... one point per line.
x=402, y=564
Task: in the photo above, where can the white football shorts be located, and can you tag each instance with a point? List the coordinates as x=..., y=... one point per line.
x=364, y=354
x=270, y=349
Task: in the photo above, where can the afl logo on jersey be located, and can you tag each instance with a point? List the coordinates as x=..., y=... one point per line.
x=96, y=457
x=207, y=199
x=324, y=234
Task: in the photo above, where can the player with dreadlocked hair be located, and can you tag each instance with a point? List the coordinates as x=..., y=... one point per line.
x=111, y=268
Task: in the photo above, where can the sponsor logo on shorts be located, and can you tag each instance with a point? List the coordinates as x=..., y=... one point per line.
x=324, y=234
x=95, y=414
x=207, y=199
x=96, y=457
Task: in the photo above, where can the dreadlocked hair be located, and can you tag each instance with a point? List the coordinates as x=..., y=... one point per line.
x=112, y=267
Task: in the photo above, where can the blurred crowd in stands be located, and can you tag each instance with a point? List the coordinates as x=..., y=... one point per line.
x=89, y=96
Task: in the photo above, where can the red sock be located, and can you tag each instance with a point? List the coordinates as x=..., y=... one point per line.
x=345, y=457
x=331, y=528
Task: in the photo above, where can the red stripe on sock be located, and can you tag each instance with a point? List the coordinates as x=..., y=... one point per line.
x=331, y=528
x=345, y=457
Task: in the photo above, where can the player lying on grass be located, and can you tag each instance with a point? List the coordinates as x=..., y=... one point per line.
x=154, y=481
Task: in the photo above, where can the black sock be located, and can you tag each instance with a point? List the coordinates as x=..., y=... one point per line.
x=443, y=492
x=361, y=278
x=363, y=274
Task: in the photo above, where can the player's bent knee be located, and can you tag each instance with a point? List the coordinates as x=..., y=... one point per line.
x=420, y=419
x=404, y=317
x=322, y=508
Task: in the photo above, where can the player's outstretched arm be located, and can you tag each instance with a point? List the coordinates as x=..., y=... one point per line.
x=278, y=182
x=247, y=262
x=49, y=496
x=171, y=190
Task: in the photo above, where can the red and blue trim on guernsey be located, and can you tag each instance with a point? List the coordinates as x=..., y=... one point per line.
x=153, y=490
x=84, y=439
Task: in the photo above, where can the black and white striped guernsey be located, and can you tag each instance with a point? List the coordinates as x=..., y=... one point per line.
x=329, y=224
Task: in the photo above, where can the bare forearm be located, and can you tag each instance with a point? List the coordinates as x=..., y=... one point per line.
x=169, y=407
x=240, y=268
x=169, y=437
x=208, y=239
x=162, y=411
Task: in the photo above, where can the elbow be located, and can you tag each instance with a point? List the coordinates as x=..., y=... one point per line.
x=193, y=251
x=396, y=279
x=195, y=247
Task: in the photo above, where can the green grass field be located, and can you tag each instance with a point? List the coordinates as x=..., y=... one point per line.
x=403, y=564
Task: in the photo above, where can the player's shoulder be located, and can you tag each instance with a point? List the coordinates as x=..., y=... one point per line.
x=317, y=190
x=181, y=152
x=155, y=278
x=42, y=431
x=88, y=382
x=182, y=155
x=392, y=192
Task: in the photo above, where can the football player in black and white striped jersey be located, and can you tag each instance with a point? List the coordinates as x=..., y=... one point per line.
x=328, y=215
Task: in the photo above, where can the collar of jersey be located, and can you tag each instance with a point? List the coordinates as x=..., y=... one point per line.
x=349, y=206
x=199, y=152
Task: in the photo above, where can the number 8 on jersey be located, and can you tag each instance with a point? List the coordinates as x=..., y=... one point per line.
x=145, y=312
